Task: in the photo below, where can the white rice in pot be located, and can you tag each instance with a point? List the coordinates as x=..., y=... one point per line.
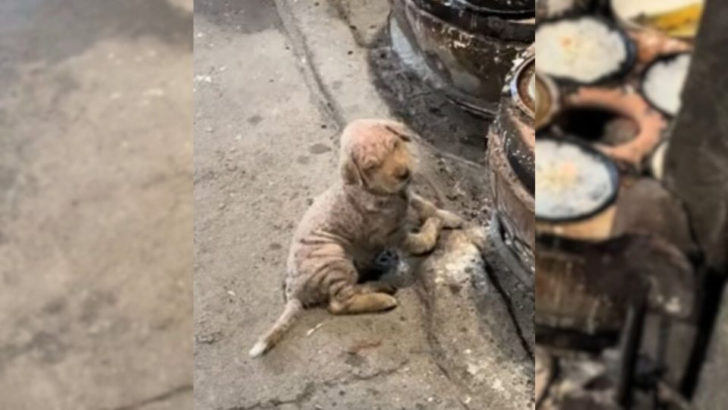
x=570, y=181
x=663, y=83
x=583, y=50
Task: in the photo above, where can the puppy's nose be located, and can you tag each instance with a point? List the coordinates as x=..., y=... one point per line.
x=404, y=174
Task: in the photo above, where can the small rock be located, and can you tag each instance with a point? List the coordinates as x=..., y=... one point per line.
x=203, y=78
x=209, y=338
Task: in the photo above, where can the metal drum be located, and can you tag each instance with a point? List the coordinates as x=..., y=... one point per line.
x=511, y=140
x=464, y=48
x=522, y=8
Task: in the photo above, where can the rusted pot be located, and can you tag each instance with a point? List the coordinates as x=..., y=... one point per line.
x=578, y=187
x=516, y=119
x=511, y=140
x=468, y=46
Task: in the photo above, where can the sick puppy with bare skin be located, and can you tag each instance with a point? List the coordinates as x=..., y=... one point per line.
x=357, y=218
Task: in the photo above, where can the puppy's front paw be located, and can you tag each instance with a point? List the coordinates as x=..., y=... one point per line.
x=386, y=287
x=449, y=219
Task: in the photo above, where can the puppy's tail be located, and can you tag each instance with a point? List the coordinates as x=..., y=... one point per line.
x=275, y=334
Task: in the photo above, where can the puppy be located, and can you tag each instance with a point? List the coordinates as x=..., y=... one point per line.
x=348, y=225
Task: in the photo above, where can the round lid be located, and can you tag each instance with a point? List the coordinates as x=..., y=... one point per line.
x=523, y=87
x=573, y=180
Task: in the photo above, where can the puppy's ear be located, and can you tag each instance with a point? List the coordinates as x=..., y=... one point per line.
x=350, y=172
x=401, y=133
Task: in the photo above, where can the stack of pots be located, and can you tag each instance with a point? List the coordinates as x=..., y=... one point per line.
x=614, y=118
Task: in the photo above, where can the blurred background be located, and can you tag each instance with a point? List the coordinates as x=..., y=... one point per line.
x=631, y=233
x=95, y=204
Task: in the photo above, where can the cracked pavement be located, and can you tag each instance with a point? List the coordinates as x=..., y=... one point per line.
x=274, y=84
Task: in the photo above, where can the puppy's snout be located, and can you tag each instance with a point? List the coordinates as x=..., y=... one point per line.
x=404, y=174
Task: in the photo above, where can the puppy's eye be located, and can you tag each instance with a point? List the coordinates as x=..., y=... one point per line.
x=367, y=166
x=404, y=137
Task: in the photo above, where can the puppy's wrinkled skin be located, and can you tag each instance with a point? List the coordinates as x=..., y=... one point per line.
x=348, y=225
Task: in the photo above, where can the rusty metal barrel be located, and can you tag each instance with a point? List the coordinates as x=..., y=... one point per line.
x=511, y=141
x=500, y=7
x=466, y=47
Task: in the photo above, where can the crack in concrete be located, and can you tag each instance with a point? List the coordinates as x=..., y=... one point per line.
x=156, y=399
x=326, y=102
x=449, y=378
x=363, y=377
x=275, y=402
x=435, y=351
x=311, y=388
x=436, y=358
x=511, y=311
x=340, y=10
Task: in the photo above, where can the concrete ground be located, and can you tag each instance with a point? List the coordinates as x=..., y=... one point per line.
x=274, y=84
x=95, y=209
